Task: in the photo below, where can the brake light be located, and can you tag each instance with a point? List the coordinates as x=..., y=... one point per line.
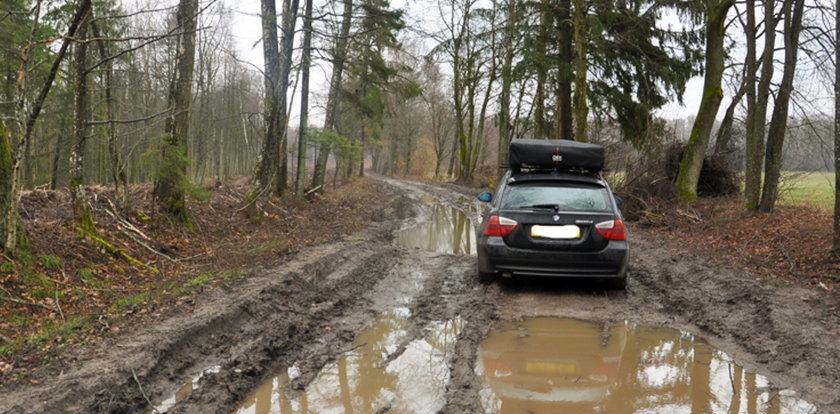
x=499, y=226
x=612, y=230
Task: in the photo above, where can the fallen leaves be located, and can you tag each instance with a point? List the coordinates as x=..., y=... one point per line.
x=791, y=244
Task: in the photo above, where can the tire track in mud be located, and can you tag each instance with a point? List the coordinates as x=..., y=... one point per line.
x=247, y=329
x=477, y=304
x=305, y=313
x=282, y=334
x=480, y=311
x=449, y=292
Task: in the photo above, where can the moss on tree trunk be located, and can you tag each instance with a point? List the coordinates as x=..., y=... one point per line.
x=698, y=142
x=11, y=231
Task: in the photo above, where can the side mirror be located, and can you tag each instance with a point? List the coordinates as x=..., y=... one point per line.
x=485, y=197
x=618, y=200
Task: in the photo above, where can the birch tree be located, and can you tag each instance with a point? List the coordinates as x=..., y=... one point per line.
x=26, y=115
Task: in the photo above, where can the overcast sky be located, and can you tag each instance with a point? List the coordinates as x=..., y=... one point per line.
x=247, y=33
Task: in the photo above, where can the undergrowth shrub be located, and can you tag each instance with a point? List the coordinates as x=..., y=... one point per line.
x=647, y=186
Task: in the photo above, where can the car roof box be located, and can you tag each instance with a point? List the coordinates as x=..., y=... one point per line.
x=555, y=155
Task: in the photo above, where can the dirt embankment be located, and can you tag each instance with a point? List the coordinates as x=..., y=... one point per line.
x=309, y=311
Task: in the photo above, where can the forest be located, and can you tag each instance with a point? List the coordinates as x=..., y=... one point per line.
x=152, y=166
x=115, y=93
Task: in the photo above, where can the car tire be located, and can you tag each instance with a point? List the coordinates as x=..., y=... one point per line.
x=486, y=277
x=618, y=283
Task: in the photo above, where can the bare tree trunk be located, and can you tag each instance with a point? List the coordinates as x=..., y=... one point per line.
x=778, y=122
x=81, y=212
x=507, y=82
x=362, y=151
x=450, y=171
x=8, y=194
x=695, y=151
x=60, y=143
x=581, y=29
x=170, y=186
x=116, y=164
x=470, y=106
x=26, y=166
x=269, y=157
x=724, y=135
x=478, y=139
x=750, y=65
x=755, y=139
x=287, y=39
x=339, y=57
x=304, y=100
x=540, y=131
x=835, y=248
x=563, y=113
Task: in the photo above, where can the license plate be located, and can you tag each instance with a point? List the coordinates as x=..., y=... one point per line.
x=556, y=232
x=550, y=368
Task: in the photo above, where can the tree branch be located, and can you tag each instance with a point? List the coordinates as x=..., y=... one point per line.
x=130, y=121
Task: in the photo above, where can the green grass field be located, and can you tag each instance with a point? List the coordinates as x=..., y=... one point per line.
x=815, y=189
x=807, y=188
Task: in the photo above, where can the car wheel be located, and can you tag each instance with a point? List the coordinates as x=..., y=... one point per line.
x=618, y=283
x=486, y=277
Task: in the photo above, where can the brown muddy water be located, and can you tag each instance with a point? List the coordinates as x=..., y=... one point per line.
x=539, y=365
x=448, y=230
x=552, y=365
x=377, y=374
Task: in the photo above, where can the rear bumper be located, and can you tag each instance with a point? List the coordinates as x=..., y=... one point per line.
x=494, y=256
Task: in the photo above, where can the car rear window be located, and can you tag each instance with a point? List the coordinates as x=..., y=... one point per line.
x=568, y=196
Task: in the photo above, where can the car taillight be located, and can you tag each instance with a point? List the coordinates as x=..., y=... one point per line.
x=499, y=226
x=612, y=230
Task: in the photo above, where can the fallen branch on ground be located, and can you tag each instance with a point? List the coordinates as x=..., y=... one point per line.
x=147, y=247
x=117, y=252
x=137, y=380
x=25, y=302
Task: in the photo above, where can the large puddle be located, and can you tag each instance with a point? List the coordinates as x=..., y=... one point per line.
x=448, y=230
x=553, y=365
x=379, y=373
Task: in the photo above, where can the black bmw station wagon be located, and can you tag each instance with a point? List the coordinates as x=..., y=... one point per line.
x=553, y=215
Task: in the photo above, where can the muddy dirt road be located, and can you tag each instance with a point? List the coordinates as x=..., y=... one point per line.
x=392, y=319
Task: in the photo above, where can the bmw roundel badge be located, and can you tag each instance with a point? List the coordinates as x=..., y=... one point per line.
x=556, y=218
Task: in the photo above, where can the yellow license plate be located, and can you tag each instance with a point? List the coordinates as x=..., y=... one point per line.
x=556, y=232
x=550, y=368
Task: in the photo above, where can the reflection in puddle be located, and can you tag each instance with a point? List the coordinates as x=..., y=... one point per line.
x=363, y=381
x=552, y=365
x=190, y=385
x=449, y=230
